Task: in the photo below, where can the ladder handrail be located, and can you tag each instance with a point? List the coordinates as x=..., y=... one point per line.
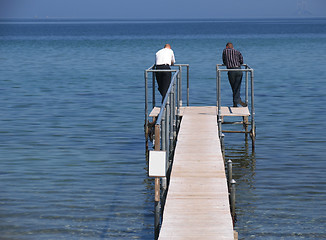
x=248, y=71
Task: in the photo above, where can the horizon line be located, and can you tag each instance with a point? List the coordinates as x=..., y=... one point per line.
x=160, y=19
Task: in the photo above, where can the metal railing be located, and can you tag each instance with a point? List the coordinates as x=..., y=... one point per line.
x=166, y=125
x=249, y=74
x=175, y=89
x=180, y=82
x=179, y=85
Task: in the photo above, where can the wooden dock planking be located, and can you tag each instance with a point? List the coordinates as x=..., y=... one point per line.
x=235, y=111
x=225, y=111
x=197, y=204
x=156, y=110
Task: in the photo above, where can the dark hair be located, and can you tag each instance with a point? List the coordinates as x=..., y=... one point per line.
x=228, y=43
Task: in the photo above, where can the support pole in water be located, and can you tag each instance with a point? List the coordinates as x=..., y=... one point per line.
x=157, y=207
x=223, y=146
x=232, y=196
x=229, y=164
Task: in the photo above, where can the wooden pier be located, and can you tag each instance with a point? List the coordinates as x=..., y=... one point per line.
x=197, y=203
x=189, y=165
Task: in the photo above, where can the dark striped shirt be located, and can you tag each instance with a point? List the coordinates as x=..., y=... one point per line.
x=232, y=58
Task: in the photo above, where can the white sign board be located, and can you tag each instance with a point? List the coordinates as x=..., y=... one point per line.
x=157, y=164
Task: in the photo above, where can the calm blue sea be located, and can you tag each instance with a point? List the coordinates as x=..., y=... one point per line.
x=72, y=149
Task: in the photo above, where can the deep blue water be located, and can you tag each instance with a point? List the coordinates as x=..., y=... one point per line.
x=72, y=151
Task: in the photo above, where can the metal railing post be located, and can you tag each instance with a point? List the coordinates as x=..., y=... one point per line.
x=174, y=115
x=217, y=85
x=171, y=122
x=146, y=105
x=167, y=129
x=187, y=85
x=218, y=100
x=179, y=90
x=253, y=126
x=247, y=86
x=252, y=100
x=146, y=97
x=173, y=112
x=180, y=84
x=166, y=140
x=153, y=90
x=178, y=104
x=163, y=132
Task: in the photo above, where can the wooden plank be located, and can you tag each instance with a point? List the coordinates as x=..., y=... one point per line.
x=156, y=110
x=197, y=204
x=235, y=111
x=225, y=111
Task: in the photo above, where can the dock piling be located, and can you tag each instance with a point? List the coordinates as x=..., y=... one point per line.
x=232, y=200
x=229, y=168
x=157, y=207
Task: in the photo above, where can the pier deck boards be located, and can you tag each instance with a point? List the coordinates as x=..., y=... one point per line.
x=235, y=111
x=225, y=111
x=156, y=110
x=197, y=204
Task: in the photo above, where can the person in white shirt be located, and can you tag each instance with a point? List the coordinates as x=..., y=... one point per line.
x=163, y=60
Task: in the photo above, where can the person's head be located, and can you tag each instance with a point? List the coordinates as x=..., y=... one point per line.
x=167, y=46
x=229, y=45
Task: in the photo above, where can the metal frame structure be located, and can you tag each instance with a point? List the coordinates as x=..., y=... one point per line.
x=249, y=74
x=153, y=71
x=166, y=126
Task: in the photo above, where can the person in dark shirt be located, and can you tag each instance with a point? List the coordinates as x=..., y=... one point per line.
x=233, y=59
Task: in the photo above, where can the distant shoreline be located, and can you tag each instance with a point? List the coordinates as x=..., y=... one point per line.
x=132, y=20
x=157, y=19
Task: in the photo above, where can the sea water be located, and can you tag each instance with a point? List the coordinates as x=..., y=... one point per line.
x=72, y=147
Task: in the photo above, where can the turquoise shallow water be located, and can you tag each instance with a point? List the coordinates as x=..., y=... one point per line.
x=72, y=151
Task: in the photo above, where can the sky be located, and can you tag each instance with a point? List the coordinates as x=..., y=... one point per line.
x=155, y=9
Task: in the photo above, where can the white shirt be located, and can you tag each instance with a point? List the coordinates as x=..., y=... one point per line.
x=165, y=56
